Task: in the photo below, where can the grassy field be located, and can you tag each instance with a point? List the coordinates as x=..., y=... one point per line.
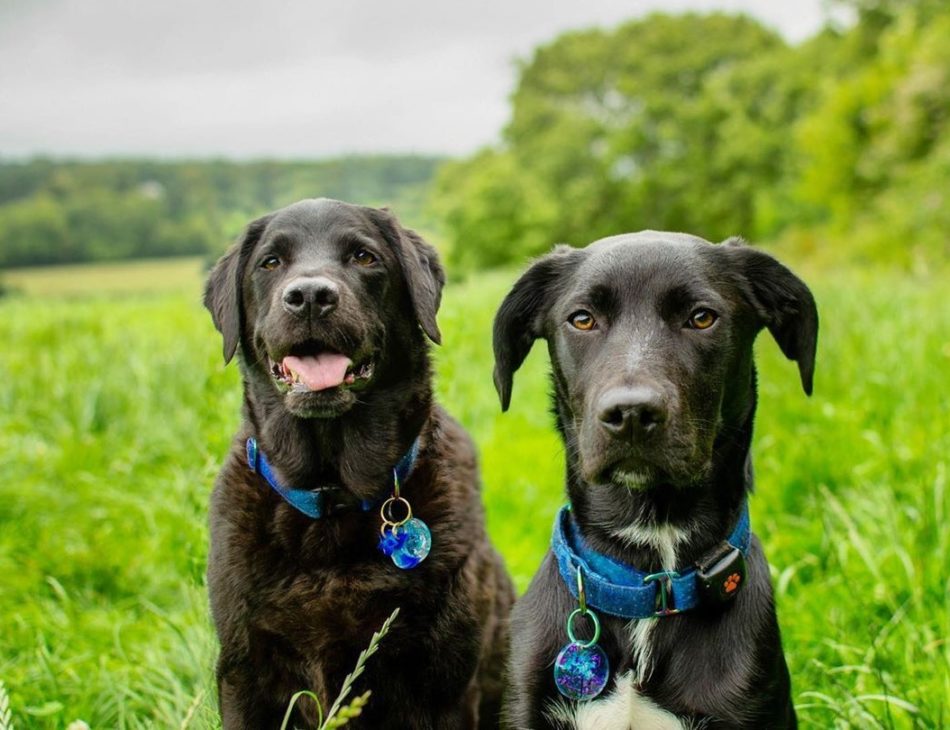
x=182, y=275
x=115, y=410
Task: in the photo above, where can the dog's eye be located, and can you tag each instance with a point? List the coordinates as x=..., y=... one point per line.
x=269, y=263
x=702, y=319
x=582, y=320
x=364, y=257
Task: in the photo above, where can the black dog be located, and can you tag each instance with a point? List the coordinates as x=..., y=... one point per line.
x=650, y=337
x=329, y=305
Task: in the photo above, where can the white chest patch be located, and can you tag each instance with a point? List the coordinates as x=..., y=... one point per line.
x=662, y=538
x=665, y=539
x=641, y=648
x=622, y=709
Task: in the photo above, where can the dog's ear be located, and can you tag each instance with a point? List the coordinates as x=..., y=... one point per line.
x=420, y=265
x=520, y=318
x=223, y=289
x=783, y=302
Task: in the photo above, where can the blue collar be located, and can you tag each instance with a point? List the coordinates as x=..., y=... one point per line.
x=323, y=501
x=620, y=589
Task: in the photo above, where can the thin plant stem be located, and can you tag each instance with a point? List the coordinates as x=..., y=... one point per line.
x=293, y=701
x=360, y=664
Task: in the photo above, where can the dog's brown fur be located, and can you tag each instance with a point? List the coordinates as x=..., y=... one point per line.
x=296, y=599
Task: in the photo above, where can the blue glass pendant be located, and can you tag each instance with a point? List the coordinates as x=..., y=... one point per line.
x=407, y=544
x=391, y=540
x=581, y=671
x=405, y=539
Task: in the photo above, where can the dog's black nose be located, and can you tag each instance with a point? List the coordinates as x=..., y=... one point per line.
x=632, y=412
x=316, y=296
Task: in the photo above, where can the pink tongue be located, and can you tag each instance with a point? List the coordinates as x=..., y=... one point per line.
x=326, y=370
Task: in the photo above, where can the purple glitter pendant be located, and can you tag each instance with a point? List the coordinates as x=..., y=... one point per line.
x=581, y=671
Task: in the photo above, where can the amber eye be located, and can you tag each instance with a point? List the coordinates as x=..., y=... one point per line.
x=702, y=319
x=364, y=257
x=269, y=263
x=582, y=320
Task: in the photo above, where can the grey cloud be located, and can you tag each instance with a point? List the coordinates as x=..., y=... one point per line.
x=249, y=78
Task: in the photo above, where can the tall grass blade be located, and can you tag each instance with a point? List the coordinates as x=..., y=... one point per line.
x=6, y=715
x=360, y=665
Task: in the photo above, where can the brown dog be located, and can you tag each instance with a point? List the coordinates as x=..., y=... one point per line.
x=328, y=306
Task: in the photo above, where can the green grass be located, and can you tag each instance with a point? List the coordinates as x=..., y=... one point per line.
x=115, y=411
x=182, y=274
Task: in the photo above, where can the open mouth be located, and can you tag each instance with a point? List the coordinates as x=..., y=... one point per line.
x=312, y=368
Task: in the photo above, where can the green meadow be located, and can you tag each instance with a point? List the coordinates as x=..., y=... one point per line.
x=115, y=410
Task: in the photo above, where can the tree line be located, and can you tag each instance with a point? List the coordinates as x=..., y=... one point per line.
x=54, y=211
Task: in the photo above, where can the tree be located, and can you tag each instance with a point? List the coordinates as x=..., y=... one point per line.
x=623, y=130
x=493, y=210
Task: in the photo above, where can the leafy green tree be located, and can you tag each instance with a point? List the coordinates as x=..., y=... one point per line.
x=36, y=230
x=879, y=124
x=876, y=151
x=670, y=122
x=621, y=124
x=712, y=124
x=493, y=210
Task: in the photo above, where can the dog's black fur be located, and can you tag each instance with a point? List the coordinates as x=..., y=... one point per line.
x=656, y=415
x=295, y=599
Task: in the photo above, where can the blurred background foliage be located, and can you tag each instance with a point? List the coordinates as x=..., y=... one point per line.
x=57, y=212
x=837, y=148
x=713, y=124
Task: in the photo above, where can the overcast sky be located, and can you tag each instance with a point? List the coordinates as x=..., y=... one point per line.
x=245, y=78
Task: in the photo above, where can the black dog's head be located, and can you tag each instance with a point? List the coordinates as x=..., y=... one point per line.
x=650, y=337
x=325, y=301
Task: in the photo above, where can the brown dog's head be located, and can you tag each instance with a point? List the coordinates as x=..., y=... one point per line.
x=324, y=300
x=650, y=336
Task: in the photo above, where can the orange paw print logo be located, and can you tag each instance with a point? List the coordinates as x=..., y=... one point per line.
x=732, y=582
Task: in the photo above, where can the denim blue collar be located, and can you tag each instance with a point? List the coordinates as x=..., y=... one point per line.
x=620, y=589
x=323, y=501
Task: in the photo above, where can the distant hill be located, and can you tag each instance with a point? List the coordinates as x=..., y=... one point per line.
x=67, y=211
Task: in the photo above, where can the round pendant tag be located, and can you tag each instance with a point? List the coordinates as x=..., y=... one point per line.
x=581, y=671
x=415, y=541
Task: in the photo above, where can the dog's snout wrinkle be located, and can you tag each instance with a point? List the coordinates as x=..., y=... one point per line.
x=315, y=296
x=632, y=412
